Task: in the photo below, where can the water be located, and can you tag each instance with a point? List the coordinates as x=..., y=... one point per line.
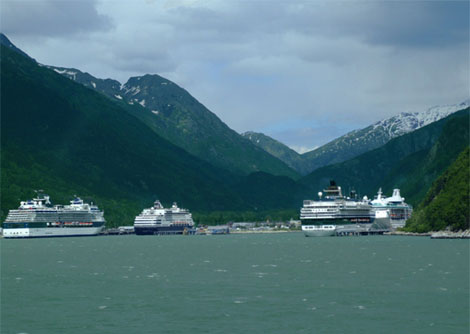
x=252, y=283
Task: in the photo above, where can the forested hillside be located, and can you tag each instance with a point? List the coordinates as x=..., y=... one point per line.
x=447, y=203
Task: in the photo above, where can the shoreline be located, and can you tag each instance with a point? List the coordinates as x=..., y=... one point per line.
x=434, y=234
x=266, y=232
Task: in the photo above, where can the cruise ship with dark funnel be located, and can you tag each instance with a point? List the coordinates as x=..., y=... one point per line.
x=334, y=213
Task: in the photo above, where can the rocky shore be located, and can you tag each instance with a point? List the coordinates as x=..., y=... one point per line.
x=451, y=235
x=434, y=235
x=411, y=234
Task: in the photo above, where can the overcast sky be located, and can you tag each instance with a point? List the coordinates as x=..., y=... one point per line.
x=303, y=72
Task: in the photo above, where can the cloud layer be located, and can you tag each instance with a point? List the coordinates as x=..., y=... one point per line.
x=303, y=72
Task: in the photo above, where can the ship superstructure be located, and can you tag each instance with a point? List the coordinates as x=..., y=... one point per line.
x=334, y=213
x=39, y=218
x=392, y=211
x=160, y=220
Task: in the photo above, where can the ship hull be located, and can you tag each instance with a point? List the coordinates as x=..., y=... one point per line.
x=330, y=227
x=319, y=230
x=162, y=230
x=51, y=232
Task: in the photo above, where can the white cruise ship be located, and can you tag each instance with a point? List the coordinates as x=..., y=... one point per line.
x=333, y=213
x=160, y=220
x=38, y=218
x=391, y=211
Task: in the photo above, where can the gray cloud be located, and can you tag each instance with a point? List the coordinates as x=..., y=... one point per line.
x=52, y=18
x=283, y=68
x=414, y=24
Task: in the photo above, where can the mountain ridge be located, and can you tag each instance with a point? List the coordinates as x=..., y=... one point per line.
x=410, y=162
x=60, y=136
x=355, y=142
x=184, y=121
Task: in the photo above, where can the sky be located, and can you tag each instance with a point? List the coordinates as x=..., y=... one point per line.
x=303, y=72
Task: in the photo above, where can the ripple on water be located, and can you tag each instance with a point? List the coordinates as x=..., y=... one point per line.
x=260, y=275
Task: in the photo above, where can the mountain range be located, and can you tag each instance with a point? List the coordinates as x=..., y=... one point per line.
x=174, y=114
x=355, y=142
x=62, y=137
x=410, y=162
x=118, y=145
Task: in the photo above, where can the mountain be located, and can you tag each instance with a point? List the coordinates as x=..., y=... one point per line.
x=107, y=87
x=62, y=137
x=174, y=114
x=279, y=150
x=447, y=203
x=6, y=42
x=410, y=162
x=353, y=143
x=360, y=141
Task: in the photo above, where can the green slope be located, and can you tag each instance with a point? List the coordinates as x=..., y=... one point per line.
x=410, y=162
x=344, y=148
x=184, y=121
x=174, y=114
x=447, y=203
x=67, y=139
x=64, y=138
x=279, y=150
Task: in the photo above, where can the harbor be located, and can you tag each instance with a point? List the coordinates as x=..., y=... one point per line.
x=333, y=214
x=236, y=283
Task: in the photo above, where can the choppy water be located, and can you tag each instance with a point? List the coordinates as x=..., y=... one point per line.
x=268, y=283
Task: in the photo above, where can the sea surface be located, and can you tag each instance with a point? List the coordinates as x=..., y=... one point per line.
x=244, y=283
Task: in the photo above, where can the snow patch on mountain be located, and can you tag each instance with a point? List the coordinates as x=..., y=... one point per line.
x=409, y=121
x=131, y=90
x=66, y=72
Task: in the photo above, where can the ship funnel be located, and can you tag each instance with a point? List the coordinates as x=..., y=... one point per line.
x=396, y=197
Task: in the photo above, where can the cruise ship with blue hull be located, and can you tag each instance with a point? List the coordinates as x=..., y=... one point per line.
x=38, y=218
x=158, y=220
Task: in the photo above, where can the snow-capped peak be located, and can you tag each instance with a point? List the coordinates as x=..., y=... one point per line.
x=409, y=121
